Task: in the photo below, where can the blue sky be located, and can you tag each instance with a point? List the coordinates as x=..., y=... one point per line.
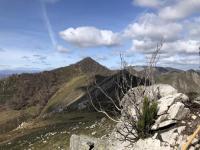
x=46, y=34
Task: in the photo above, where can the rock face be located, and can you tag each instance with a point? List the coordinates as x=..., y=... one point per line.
x=136, y=95
x=168, y=126
x=171, y=110
x=178, y=111
x=167, y=101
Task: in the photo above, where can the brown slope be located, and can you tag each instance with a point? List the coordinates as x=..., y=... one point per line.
x=186, y=81
x=25, y=90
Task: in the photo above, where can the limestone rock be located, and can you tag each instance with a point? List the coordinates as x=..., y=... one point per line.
x=173, y=136
x=170, y=137
x=150, y=144
x=181, y=129
x=161, y=118
x=163, y=124
x=178, y=111
x=84, y=143
x=136, y=96
x=193, y=117
x=165, y=102
x=164, y=89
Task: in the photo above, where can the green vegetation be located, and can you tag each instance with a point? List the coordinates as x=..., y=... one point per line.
x=147, y=117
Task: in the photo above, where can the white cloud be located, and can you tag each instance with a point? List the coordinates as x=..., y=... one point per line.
x=144, y=46
x=193, y=27
x=183, y=46
x=183, y=61
x=150, y=26
x=148, y=3
x=180, y=10
x=88, y=36
x=170, y=48
x=62, y=49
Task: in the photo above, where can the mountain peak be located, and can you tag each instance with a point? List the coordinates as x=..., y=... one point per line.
x=86, y=60
x=89, y=65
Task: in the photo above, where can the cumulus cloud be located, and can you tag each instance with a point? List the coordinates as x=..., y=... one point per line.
x=181, y=38
x=144, y=46
x=150, y=26
x=180, y=10
x=148, y=3
x=183, y=61
x=88, y=36
x=183, y=46
x=179, y=46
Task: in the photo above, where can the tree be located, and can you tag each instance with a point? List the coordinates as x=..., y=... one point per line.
x=137, y=125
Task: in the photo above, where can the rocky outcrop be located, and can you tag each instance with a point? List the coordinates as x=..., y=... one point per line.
x=168, y=128
x=135, y=97
x=171, y=110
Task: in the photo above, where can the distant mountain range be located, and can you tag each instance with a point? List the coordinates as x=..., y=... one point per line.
x=7, y=73
x=66, y=88
x=185, y=81
x=49, y=90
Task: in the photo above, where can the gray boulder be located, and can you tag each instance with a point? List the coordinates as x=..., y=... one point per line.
x=165, y=102
x=82, y=142
x=178, y=111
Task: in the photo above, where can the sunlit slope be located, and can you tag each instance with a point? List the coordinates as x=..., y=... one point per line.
x=67, y=94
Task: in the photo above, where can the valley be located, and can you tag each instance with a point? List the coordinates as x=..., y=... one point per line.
x=42, y=110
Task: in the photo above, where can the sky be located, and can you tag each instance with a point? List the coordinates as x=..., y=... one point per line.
x=47, y=34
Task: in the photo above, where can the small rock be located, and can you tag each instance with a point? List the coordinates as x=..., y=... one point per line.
x=170, y=136
x=161, y=118
x=183, y=122
x=93, y=133
x=197, y=146
x=192, y=148
x=194, y=117
x=155, y=136
x=195, y=141
x=92, y=126
x=166, y=123
x=181, y=129
x=150, y=144
x=163, y=124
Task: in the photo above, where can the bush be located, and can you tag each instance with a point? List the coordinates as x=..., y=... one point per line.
x=147, y=118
